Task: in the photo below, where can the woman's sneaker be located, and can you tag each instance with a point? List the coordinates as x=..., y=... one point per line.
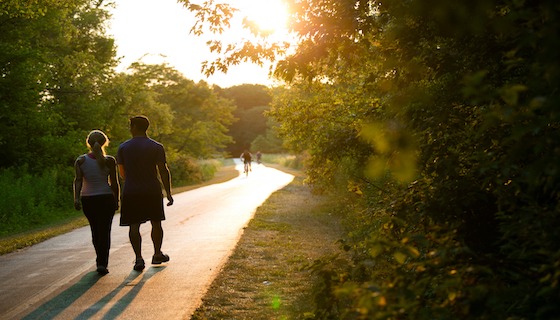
x=139, y=265
x=102, y=270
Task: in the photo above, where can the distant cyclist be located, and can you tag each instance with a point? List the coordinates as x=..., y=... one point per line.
x=246, y=157
x=259, y=156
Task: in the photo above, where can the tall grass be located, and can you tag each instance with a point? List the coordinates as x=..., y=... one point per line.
x=208, y=168
x=29, y=201
x=186, y=170
x=286, y=160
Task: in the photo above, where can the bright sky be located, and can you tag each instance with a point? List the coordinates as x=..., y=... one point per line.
x=157, y=31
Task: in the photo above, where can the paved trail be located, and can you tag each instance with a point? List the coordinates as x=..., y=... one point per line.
x=56, y=279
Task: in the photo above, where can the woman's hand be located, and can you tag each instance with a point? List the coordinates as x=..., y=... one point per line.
x=77, y=204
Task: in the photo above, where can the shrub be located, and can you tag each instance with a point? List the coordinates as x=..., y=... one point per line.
x=186, y=170
x=30, y=200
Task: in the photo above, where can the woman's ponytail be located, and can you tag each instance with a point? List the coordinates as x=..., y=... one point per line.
x=99, y=155
x=97, y=141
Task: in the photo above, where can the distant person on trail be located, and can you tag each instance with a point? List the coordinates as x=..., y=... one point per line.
x=96, y=192
x=259, y=156
x=140, y=159
x=246, y=157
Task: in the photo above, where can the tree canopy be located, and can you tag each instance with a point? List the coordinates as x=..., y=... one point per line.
x=54, y=57
x=251, y=101
x=58, y=83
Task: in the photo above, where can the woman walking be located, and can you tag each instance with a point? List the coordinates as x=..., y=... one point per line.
x=97, y=192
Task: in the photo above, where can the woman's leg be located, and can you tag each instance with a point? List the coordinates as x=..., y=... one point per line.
x=99, y=211
x=104, y=230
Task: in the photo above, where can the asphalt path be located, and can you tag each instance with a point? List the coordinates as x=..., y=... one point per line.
x=56, y=279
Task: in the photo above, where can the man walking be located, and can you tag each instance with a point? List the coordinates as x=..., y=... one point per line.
x=140, y=159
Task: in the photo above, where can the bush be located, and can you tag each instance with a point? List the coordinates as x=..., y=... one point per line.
x=186, y=170
x=208, y=168
x=30, y=201
x=286, y=160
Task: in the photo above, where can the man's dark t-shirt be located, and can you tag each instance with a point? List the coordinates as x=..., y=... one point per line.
x=139, y=156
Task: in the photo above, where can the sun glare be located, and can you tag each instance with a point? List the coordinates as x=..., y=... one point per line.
x=269, y=15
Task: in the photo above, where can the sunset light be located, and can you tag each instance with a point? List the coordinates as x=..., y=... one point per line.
x=269, y=16
x=159, y=33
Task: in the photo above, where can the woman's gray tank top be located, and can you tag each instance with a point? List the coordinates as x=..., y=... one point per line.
x=96, y=180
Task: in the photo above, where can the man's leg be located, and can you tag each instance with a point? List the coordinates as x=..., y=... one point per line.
x=157, y=236
x=135, y=240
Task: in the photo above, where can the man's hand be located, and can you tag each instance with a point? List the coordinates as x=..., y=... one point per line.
x=169, y=201
x=77, y=205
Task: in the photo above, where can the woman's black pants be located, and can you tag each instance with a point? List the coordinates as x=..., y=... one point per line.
x=99, y=210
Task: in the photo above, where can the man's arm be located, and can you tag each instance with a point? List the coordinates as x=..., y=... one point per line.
x=121, y=171
x=115, y=187
x=166, y=180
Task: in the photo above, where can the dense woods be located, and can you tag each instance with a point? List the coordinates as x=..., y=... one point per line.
x=438, y=123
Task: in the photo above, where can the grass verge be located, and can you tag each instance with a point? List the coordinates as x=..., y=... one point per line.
x=266, y=275
x=20, y=241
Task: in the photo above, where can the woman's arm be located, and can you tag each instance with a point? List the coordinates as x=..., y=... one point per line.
x=78, y=180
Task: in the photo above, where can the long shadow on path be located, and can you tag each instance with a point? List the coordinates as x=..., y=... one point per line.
x=126, y=300
x=55, y=306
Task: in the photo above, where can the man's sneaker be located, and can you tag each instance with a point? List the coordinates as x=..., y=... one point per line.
x=160, y=258
x=139, y=265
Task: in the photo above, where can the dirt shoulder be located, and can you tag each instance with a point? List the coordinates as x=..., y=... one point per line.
x=265, y=277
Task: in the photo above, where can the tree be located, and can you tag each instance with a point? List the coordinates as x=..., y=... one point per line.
x=252, y=101
x=270, y=141
x=247, y=96
x=192, y=119
x=54, y=58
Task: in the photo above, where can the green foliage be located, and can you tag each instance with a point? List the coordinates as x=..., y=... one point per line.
x=187, y=117
x=247, y=96
x=285, y=160
x=209, y=168
x=31, y=201
x=322, y=120
x=52, y=64
x=438, y=122
x=250, y=124
x=270, y=142
x=187, y=171
x=252, y=102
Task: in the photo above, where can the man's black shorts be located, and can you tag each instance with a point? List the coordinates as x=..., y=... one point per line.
x=139, y=208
